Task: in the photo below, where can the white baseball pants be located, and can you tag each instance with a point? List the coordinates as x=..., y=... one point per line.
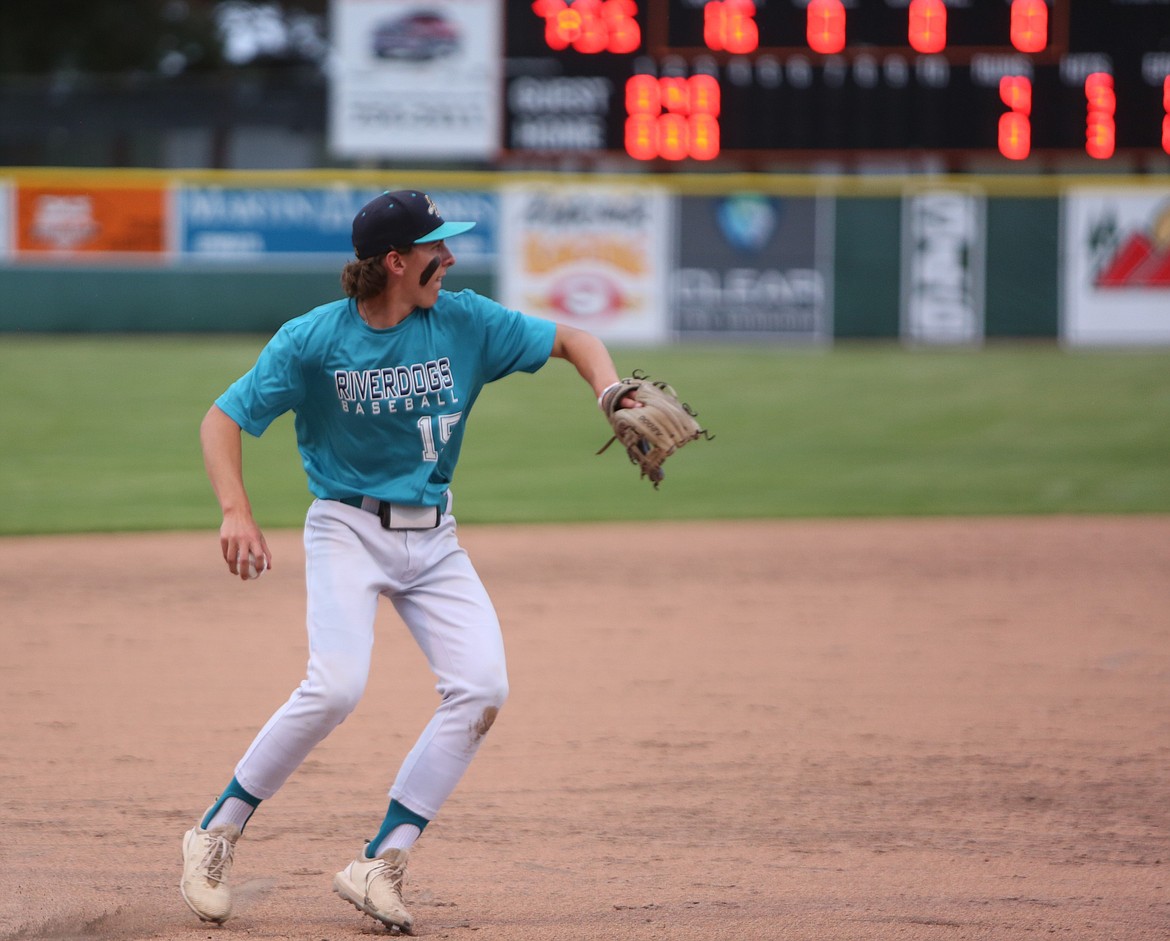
x=350, y=560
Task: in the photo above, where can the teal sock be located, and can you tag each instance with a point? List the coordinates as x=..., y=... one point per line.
x=237, y=804
x=396, y=815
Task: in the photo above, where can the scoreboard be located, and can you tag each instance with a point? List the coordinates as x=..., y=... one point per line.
x=692, y=81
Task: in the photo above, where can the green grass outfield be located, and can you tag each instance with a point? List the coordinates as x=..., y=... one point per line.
x=101, y=434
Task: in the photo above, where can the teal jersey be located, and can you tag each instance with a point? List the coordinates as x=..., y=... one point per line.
x=381, y=413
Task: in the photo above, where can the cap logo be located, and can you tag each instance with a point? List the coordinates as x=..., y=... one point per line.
x=432, y=209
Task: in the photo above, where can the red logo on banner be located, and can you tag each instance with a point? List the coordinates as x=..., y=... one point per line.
x=587, y=296
x=1141, y=261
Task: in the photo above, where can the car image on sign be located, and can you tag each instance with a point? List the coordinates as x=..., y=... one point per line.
x=416, y=36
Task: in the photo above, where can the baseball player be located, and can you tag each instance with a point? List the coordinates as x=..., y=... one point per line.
x=382, y=383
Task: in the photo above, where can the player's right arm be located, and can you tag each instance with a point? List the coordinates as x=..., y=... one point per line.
x=223, y=457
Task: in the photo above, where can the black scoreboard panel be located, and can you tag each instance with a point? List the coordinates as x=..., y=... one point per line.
x=688, y=81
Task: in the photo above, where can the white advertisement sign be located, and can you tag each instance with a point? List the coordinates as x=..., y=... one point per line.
x=1116, y=279
x=590, y=257
x=7, y=223
x=943, y=267
x=410, y=80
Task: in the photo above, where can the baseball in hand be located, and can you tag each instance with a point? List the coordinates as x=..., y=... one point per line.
x=252, y=568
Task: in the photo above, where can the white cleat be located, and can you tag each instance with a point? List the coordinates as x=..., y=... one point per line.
x=207, y=863
x=374, y=886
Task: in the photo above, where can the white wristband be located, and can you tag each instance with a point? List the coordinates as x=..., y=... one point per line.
x=604, y=392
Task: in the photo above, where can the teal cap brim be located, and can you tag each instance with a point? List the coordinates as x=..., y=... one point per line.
x=445, y=231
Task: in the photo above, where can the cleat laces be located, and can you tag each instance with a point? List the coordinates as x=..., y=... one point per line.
x=392, y=876
x=217, y=859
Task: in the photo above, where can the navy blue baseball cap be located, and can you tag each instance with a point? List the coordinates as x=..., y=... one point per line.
x=397, y=220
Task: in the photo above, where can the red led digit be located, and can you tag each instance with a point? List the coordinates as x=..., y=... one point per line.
x=561, y=25
x=1166, y=117
x=730, y=26
x=1100, y=136
x=1015, y=91
x=624, y=33
x=1015, y=125
x=714, y=16
x=1099, y=92
x=642, y=136
x=644, y=110
x=1100, y=128
x=642, y=95
x=927, y=29
x=743, y=35
x=703, y=126
x=1015, y=135
x=594, y=36
x=676, y=95
x=826, y=26
x=672, y=136
x=1029, y=29
x=703, y=134
x=704, y=95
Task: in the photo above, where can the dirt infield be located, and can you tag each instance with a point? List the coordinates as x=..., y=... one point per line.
x=934, y=729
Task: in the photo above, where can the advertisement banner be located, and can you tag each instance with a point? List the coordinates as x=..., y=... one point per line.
x=64, y=221
x=590, y=257
x=944, y=239
x=1116, y=277
x=750, y=266
x=412, y=81
x=241, y=223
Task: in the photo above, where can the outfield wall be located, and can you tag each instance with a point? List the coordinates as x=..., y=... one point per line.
x=638, y=259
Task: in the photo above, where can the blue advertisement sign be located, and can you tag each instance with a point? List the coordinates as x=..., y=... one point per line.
x=752, y=265
x=223, y=222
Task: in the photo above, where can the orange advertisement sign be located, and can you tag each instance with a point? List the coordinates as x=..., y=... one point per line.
x=83, y=220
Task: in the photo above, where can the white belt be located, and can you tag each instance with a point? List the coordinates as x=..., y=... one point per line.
x=399, y=516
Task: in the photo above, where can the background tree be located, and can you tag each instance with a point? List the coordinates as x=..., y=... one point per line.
x=167, y=38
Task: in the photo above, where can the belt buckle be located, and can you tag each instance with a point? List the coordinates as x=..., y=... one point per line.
x=398, y=517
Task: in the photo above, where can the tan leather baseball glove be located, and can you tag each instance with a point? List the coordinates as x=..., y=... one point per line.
x=652, y=433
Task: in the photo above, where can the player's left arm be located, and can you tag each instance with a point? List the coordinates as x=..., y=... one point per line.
x=589, y=356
